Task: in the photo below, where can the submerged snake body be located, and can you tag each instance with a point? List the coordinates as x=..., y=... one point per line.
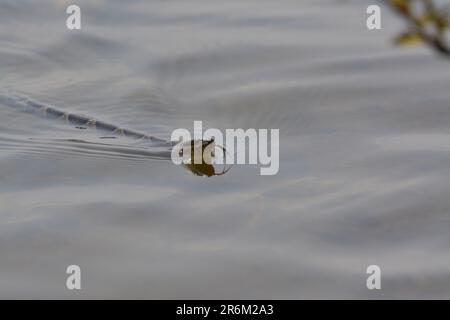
x=31, y=106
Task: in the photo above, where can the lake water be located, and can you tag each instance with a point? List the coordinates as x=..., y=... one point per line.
x=364, y=153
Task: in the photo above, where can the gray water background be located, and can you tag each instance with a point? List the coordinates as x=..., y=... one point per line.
x=364, y=158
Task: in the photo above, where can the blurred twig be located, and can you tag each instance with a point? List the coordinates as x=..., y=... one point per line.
x=425, y=21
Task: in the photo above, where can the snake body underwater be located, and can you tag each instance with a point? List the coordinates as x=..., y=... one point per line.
x=25, y=104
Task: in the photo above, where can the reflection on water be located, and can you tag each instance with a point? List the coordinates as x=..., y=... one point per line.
x=364, y=175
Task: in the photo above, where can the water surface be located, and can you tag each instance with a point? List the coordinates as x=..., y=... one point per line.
x=364, y=153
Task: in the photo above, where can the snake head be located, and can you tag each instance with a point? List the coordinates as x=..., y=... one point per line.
x=204, y=148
